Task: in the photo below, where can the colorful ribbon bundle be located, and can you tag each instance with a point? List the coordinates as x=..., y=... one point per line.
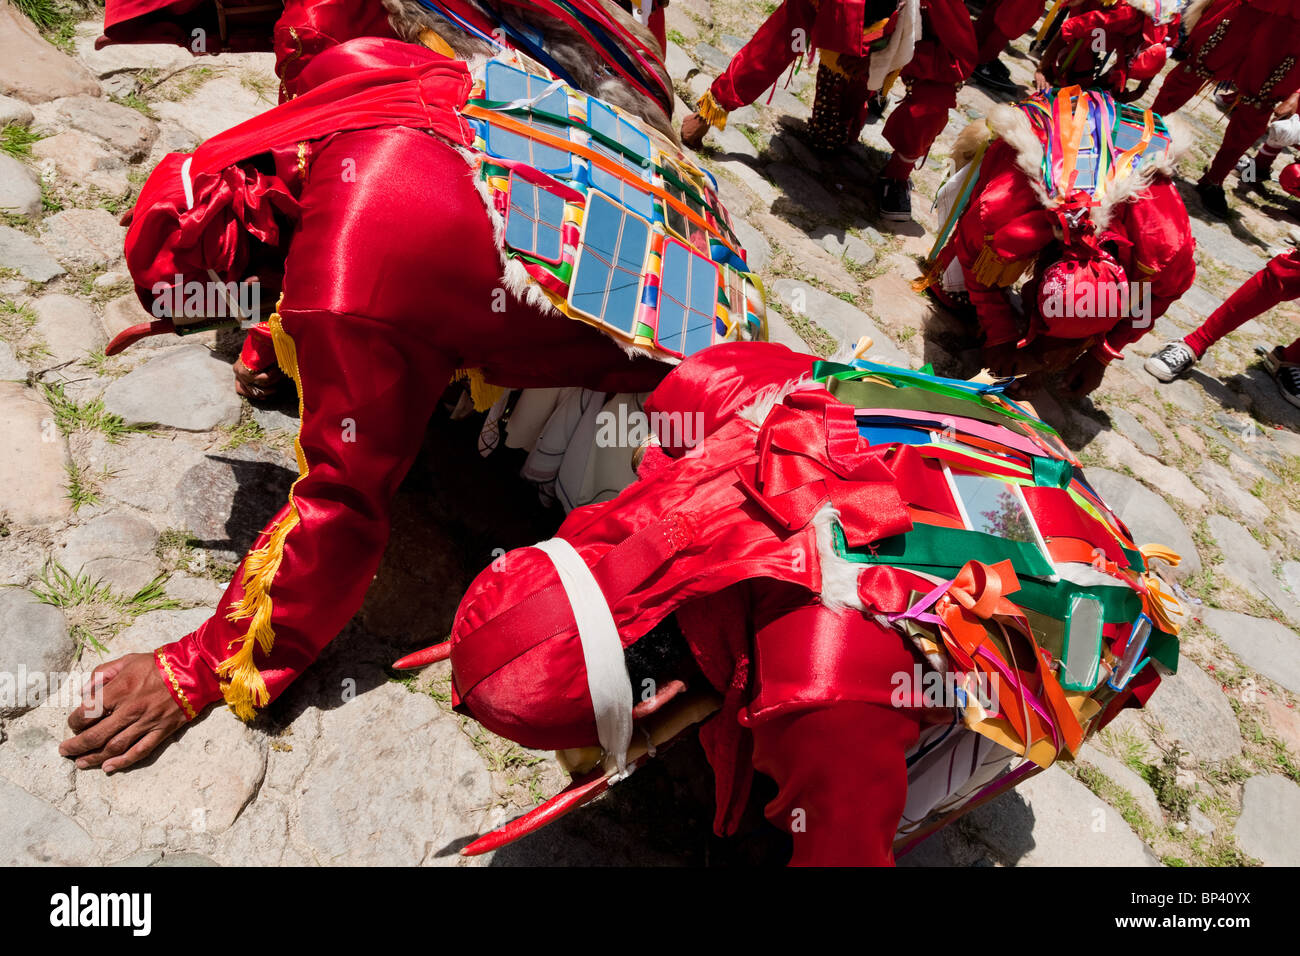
x=1088, y=139
x=1019, y=576
x=621, y=50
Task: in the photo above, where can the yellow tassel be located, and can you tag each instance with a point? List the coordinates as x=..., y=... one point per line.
x=242, y=685
x=991, y=270
x=927, y=279
x=481, y=393
x=711, y=111
x=889, y=83
x=436, y=43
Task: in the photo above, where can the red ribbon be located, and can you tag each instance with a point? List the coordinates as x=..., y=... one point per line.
x=810, y=454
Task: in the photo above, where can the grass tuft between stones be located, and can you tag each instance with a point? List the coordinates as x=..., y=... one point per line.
x=94, y=611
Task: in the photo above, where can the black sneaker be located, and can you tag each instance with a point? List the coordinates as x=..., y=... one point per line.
x=995, y=75
x=1172, y=361
x=876, y=104
x=894, y=197
x=1286, y=373
x=1213, y=199
x=1288, y=383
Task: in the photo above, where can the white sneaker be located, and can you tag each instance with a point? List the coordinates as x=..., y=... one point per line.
x=1173, y=360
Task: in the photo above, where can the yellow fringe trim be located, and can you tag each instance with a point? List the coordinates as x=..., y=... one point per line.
x=991, y=270
x=176, y=685
x=243, y=686
x=711, y=111
x=481, y=393
x=928, y=278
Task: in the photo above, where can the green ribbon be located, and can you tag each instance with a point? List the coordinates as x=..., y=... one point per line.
x=1052, y=472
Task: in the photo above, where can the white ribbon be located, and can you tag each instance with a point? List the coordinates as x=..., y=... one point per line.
x=186, y=184
x=602, y=651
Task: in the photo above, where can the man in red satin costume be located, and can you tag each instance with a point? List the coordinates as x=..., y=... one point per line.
x=734, y=533
x=944, y=57
x=1006, y=232
x=806, y=689
x=391, y=281
x=1253, y=44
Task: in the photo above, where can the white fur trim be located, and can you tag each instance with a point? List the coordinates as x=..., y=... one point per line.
x=767, y=398
x=839, y=575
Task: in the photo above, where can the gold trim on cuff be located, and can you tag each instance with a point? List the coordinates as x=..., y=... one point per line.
x=176, y=686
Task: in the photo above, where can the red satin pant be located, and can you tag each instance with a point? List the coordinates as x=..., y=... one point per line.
x=915, y=123
x=1277, y=282
x=1253, y=45
x=825, y=730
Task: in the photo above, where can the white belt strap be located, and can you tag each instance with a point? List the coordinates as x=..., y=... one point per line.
x=186, y=184
x=607, y=678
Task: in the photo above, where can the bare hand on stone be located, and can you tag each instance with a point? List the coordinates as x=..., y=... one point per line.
x=132, y=712
x=256, y=386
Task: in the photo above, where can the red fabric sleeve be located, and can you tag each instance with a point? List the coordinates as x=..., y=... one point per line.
x=386, y=385
x=1120, y=19
x=258, y=352
x=190, y=681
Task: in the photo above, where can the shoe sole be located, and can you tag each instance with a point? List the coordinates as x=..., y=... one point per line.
x=1160, y=372
x=896, y=216
x=1272, y=363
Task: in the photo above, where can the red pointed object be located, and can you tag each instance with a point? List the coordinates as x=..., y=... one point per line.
x=430, y=655
x=137, y=332
x=570, y=798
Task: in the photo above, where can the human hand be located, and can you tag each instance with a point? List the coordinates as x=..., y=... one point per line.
x=134, y=712
x=256, y=386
